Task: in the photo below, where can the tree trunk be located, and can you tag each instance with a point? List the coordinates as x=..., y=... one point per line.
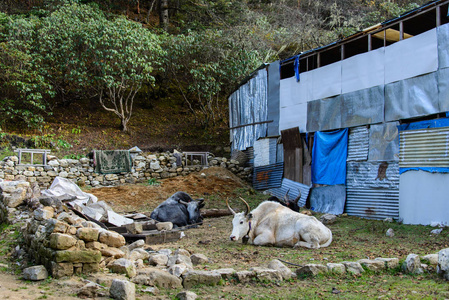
x=163, y=14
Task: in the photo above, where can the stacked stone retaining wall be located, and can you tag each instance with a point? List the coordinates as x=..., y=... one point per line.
x=82, y=171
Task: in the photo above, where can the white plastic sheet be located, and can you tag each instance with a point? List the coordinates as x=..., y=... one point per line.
x=412, y=57
x=326, y=81
x=363, y=71
x=63, y=186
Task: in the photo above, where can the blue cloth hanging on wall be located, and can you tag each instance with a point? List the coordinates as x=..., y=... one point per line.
x=329, y=153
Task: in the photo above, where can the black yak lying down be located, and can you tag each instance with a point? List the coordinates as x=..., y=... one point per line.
x=180, y=209
x=292, y=204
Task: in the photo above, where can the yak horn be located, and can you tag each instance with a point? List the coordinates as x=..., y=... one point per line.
x=183, y=202
x=286, y=200
x=230, y=209
x=247, y=206
x=299, y=196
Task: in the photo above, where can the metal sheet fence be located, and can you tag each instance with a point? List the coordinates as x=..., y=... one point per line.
x=267, y=177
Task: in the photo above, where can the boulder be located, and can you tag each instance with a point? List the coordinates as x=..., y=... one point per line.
x=336, y=268
x=122, y=290
x=35, y=273
x=186, y=295
x=431, y=259
x=158, y=260
x=285, y=272
x=328, y=219
x=138, y=253
x=353, y=267
x=390, y=263
x=412, y=264
x=88, y=234
x=157, y=277
x=194, y=277
x=123, y=266
x=311, y=269
x=111, y=238
x=61, y=241
x=227, y=273
x=372, y=264
x=198, y=259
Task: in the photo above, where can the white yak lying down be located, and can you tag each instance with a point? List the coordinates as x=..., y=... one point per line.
x=273, y=224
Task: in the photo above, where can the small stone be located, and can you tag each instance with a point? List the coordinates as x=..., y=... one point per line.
x=186, y=295
x=198, y=259
x=390, y=232
x=136, y=244
x=35, y=273
x=164, y=226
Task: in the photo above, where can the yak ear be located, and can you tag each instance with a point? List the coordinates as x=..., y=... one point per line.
x=250, y=216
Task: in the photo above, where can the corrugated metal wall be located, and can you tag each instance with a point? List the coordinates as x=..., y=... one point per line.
x=358, y=144
x=424, y=148
x=268, y=177
x=292, y=187
x=372, y=187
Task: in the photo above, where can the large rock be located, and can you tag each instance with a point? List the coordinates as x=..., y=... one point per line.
x=111, y=238
x=266, y=274
x=78, y=256
x=285, y=272
x=90, y=290
x=158, y=260
x=136, y=244
x=178, y=270
x=412, y=264
x=327, y=219
x=61, y=241
x=88, y=234
x=198, y=259
x=443, y=263
x=193, y=278
x=122, y=290
x=372, y=264
x=157, y=277
x=430, y=259
x=13, y=193
x=334, y=268
x=390, y=263
x=353, y=267
x=123, y=266
x=35, y=273
x=186, y=295
x=227, y=273
x=138, y=253
x=311, y=269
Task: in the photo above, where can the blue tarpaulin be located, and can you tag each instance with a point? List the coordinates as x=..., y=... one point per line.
x=329, y=153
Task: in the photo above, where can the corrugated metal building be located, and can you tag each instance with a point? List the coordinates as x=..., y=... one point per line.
x=388, y=84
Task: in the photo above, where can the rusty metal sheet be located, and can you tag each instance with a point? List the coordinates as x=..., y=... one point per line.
x=372, y=190
x=267, y=177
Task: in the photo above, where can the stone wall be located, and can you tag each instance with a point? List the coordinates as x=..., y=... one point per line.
x=82, y=172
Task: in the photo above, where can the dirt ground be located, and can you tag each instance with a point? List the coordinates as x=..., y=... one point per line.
x=213, y=184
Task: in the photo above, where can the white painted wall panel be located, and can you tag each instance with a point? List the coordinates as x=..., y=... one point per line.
x=411, y=57
x=363, y=71
x=294, y=116
x=423, y=197
x=326, y=81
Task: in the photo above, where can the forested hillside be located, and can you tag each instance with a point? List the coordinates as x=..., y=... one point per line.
x=104, y=74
